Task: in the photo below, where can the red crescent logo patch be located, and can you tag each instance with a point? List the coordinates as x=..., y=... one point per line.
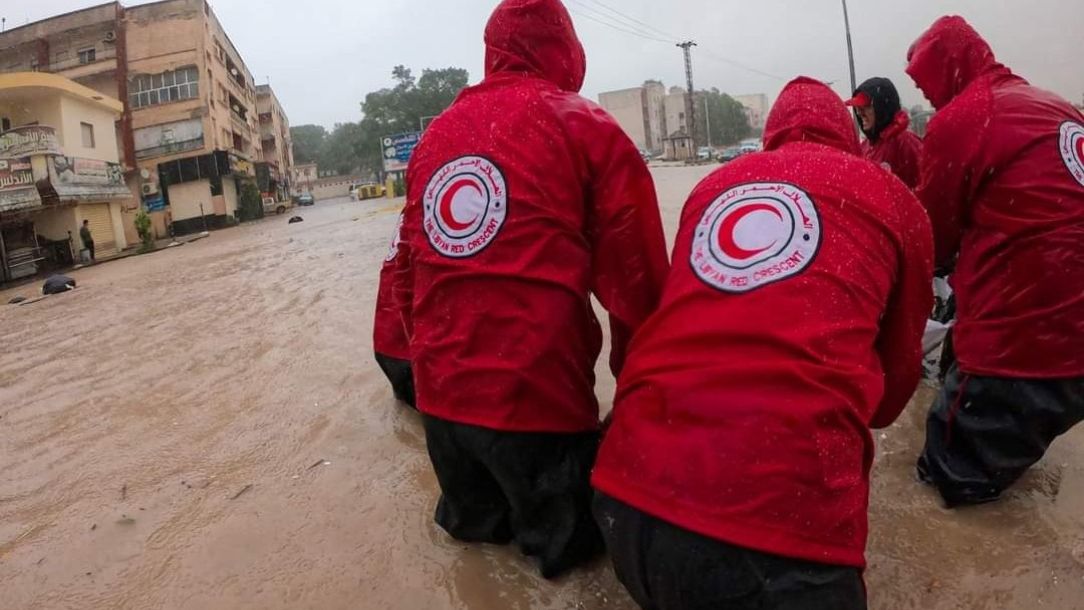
x=754, y=235
x=1071, y=147
x=465, y=206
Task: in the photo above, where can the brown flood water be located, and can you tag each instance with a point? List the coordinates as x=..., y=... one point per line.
x=204, y=428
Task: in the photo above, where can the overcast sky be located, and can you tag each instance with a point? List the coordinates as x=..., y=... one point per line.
x=323, y=56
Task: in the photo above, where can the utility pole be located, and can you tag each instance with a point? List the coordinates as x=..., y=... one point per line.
x=690, y=106
x=850, y=45
x=707, y=119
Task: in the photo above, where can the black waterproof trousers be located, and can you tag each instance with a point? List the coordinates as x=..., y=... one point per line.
x=665, y=567
x=531, y=488
x=983, y=433
x=401, y=376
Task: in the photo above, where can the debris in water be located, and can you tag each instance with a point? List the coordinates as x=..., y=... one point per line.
x=16, y=300
x=124, y=492
x=295, y=220
x=126, y=520
x=242, y=492
x=93, y=527
x=321, y=462
x=58, y=284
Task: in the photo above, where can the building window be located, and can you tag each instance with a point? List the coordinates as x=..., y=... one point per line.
x=5, y=123
x=174, y=86
x=88, y=135
x=87, y=56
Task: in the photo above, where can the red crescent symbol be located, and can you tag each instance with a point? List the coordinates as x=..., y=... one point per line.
x=726, y=231
x=1080, y=150
x=446, y=214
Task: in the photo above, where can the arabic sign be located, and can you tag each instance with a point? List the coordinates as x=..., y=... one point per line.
x=397, y=150
x=17, y=190
x=87, y=179
x=32, y=140
x=154, y=203
x=15, y=174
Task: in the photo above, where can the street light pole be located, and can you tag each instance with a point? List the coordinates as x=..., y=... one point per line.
x=850, y=45
x=707, y=118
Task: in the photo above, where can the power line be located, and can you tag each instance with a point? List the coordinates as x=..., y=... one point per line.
x=598, y=16
x=641, y=29
x=738, y=64
x=634, y=20
x=618, y=28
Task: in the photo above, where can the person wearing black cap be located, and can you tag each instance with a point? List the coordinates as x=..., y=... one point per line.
x=889, y=143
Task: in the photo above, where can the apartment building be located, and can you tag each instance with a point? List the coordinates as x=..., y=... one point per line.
x=275, y=167
x=641, y=113
x=189, y=130
x=59, y=166
x=756, y=109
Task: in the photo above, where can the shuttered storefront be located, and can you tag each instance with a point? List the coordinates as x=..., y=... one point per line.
x=101, y=229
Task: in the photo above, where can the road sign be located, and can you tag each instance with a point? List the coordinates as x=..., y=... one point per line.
x=397, y=150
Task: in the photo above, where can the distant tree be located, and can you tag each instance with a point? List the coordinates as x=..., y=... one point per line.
x=340, y=152
x=308, y=139
x=729, y=123
x=401, y=108
x=354, y=147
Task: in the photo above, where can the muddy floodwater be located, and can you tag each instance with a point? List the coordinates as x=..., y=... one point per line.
x=204, y=428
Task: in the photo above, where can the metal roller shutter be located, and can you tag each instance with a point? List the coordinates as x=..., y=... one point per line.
x=101, y=228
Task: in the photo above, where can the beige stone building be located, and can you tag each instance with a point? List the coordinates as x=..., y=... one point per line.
x=59, y=166
x=189, y=130
x=756, y=108
x=275, y=168
x=305, y=177
x=641, y=113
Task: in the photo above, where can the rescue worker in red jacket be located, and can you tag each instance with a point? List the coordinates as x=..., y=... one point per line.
x=735, y=473
x=524, y=198
x=392, y=350
x=889, y=141
x=1003, y=182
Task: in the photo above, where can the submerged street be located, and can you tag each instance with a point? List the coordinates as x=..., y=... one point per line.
x=204, y=427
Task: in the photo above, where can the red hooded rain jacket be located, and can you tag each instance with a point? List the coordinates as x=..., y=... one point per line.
x=790, y=324
x=1003, y=182
x=524, y=198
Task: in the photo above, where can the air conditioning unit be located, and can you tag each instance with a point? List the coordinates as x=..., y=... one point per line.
x=150, y=189
x=110, y=36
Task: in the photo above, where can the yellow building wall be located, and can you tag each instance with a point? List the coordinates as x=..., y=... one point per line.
x=44, y=111
x=73, y=114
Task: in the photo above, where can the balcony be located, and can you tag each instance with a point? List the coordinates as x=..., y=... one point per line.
x=104, y=61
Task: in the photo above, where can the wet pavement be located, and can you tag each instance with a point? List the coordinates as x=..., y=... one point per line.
x=204, y=428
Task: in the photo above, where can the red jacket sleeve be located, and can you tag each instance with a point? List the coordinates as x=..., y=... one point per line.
x=951, y=170
x=629, y=261
x=908, y=159
x=403, y=285
x=899, y=343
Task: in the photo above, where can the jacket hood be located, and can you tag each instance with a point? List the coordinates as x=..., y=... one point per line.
x=535, y=38
x=947, y=58
x=809, y=111
x=886, y=104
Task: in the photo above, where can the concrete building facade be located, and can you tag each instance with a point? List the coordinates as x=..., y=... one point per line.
x=274, y=170
x=305, y=176
x=675, y=113
x=641, y=113
x=756, y=108
x=59, y=165
x=189, y=129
